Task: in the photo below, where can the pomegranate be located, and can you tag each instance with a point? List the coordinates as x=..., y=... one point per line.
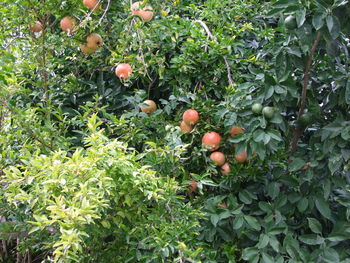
x=123, y=71
x=190, y=117
x=152, y=106
x=218, y=158
x=193, y=186
x=225, y=169
x=37, y=27
x=67, y=23
x=145, y=13
x=236, y=130
x=94, y=41
x=211, y=141
x=242, y=157
x=185, y=127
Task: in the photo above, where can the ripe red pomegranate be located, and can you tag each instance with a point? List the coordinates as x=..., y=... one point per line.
x=91, y=4
x=236, y=130
x=193, y=186
x=145, y=13
x=211, y=141
x=225, y=169
x=223, y=205
x=67, y=23
x=185, y=127
x=152, y=106
x=190, y=117
x=123, y=71
x=242, y=157
x=218, y=158
x=37, y=27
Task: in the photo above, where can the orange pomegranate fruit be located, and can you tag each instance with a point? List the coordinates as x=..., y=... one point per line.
x=94, y=41
x=123, y=71
x=190, y=116
x=37, y=27
x=225, y=168
x=185, y=127
x=145, y=13
x=236, y=130
x=87, y=50
x=91, y=4
x=211, y=141
x=218, y=158
x=242, y=157
x=193, y=186
x=223, y=205
x=67, y=23
x=152, y=106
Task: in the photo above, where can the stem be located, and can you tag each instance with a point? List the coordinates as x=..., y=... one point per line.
x=105, y=12
x=43, y=64
x=299, y=131
x=229, y=75
x=210, y=35
x=19, y=258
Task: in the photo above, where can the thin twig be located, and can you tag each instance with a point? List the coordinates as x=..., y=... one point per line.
x=210, y=35
x=18, y=254
x=104, y=13
x=87, y=16
x=229, y=75
x=307, y=75
x=299, y=131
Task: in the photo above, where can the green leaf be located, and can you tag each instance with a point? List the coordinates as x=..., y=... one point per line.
x=300, y=17
x=238, y=222
x=274, y=243
x=267, y=258
x=296, y=164
x=330, y=255
x=245, y=197
x=318, y=19
x=250, y=253
x=333, y=26
x=253, y=222
x=273, y=190
x=347, y=92
x=311, y=239
x=323, y=207
x=214, y=219
x=263, y=241
x=315, y=226
x=285, y=3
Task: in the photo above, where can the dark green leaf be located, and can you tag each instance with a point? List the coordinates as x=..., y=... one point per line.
x=253, y=222
x=323, y=207
x=245, y=197
x=318, y=19
x=238, y=222
x=315, y=226
x=296, y=164
x=263, y=241
x=311, y=239
x=250, y=253
x=300, y=17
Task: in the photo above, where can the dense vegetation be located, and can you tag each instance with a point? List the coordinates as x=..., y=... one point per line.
x=89, y=173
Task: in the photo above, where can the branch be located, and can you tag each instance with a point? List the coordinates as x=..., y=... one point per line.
x=298, y=131
x=105, y=12
x=87, y=16
x=229, y=75
x=210, y=35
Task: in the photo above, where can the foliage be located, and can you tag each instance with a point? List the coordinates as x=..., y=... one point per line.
x=98, y=193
